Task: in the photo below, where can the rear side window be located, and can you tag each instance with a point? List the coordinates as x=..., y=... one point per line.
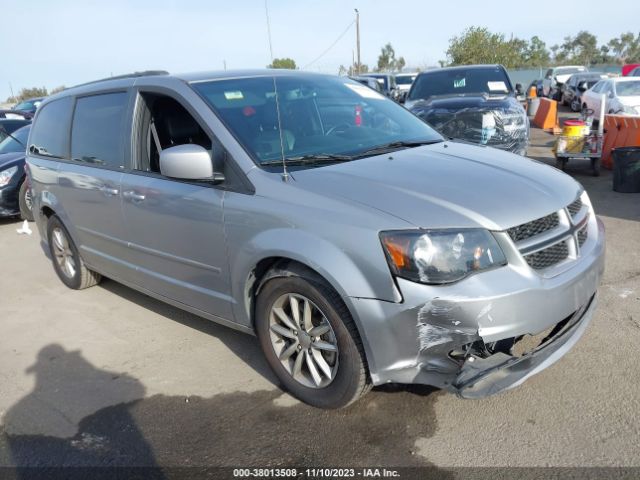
x=50, y=132
x=97, y=132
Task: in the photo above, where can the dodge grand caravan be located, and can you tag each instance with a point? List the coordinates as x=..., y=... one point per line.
x=357, y=244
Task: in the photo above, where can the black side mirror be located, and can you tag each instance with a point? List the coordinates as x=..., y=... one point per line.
x=582, y=86
x=519, y=89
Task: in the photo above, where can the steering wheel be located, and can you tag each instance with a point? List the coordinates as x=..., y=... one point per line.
x=336, y=129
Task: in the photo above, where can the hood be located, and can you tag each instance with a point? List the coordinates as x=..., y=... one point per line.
x=632, y=101
x=563, y=78
x=10, y=159
x=448, y=185
x=499, y=122
x=458, y=102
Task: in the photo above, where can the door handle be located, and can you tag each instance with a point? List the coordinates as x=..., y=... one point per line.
x=108, y=191
x=133, y=196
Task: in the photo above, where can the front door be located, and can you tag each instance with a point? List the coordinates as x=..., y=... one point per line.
x=175, y=228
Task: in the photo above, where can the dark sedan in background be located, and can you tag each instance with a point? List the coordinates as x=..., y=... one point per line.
x=15, y=195
x=475, y=103
x=577, y=84
x=30, y=105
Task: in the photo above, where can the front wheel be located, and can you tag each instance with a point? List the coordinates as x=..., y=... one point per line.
x=24, y=200
x=67, y=262
x=310, y=341
x=575, y=105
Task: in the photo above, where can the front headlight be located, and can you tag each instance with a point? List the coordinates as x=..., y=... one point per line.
x=6, y=175
x=440, y=256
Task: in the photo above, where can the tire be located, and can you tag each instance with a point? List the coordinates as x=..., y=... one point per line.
x=575, y=105
x=561, y=164
x=595, y=166
x=349, y=378
x=24, y=200
x=66, y=259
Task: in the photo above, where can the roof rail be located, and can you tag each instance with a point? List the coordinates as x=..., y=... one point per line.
x=144, y=73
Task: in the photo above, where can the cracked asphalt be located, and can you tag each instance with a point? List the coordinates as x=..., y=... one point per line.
x=110, y=377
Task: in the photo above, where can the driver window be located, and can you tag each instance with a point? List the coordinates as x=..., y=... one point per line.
x=165, y=123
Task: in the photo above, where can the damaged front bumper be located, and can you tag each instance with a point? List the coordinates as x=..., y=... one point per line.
x=485, y=334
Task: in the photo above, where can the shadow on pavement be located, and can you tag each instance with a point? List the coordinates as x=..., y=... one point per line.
x=242, y=345
x=81, y=416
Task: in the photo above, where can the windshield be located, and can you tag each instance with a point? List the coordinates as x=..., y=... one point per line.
x=10, y=145
x=27, y=105
x=320, y=116
x=628, y=89
x=405, y=79
x=460, y=81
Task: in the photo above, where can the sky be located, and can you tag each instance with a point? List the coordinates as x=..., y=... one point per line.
x=64, y=42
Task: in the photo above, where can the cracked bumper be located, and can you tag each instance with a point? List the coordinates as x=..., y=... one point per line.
x=412, y=341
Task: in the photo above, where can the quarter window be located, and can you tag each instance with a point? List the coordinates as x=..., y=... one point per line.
x=50, y=132
x=97, y=133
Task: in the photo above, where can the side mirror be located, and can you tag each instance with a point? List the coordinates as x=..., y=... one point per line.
x=582, y=86
x=519, y=89
x=188, y=162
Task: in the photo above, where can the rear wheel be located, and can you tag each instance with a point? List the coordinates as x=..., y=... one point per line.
x=310, y=341
x=67, y=263
x=24, y=200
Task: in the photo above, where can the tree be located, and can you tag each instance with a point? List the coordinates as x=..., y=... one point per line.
x=387, y=61
x=57, y=89
x=536, y=53
x=288, y=63
x=479, y=45
x=625, y=48
x=581, y=49
x=353, y=69
x=27, y=93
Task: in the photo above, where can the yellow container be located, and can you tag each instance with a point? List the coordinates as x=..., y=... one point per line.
x=573, y=130
x=565, y=144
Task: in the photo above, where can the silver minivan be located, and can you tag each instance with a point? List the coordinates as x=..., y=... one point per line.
x=355, y=242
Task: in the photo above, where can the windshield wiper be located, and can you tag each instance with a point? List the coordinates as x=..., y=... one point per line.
x=2, y=130
x=310, y=159
x=389, y=147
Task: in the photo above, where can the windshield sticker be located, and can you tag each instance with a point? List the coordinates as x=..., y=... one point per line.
x=460, y=83
x=497, y=86
x=364, y=91
x=237, y=95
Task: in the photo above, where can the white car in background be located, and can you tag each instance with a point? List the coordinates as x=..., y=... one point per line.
x=403, y=83
x=622, y=95
x=557, y=76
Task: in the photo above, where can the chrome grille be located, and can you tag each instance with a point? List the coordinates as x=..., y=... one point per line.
x=536, y=227
x=575, y=207
x=582, y=236
x=549, y=256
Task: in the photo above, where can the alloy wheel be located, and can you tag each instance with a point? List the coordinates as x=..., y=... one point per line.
x=27, y=199
x=63, y=253
x=303, y=340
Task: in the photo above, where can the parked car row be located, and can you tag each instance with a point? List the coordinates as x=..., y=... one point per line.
x=15, y=194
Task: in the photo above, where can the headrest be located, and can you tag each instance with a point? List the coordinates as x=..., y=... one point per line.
x=180, y=125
